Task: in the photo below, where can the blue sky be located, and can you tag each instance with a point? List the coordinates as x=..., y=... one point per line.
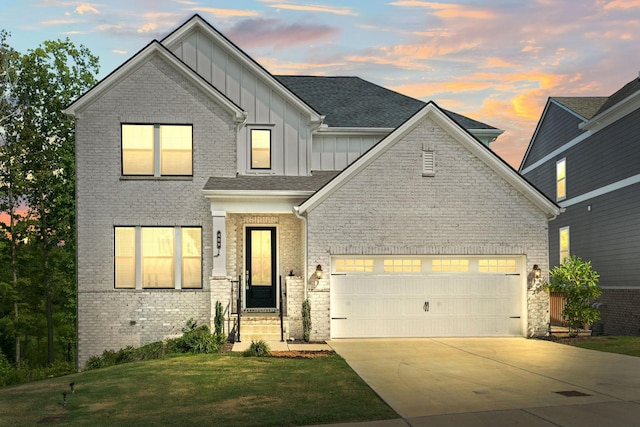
x=496, y=61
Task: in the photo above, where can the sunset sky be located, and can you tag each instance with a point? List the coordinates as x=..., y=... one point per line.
x=496, y=61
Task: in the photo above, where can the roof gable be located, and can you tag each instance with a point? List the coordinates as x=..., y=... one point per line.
x=618, y=105
x=377, y=106
x=432, y=111
x=197, y=24
x=143, y=56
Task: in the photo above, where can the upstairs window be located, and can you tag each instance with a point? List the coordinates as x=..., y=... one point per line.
x=561, y=179
x=564, y=244
x=260, y=149
x=157, y=150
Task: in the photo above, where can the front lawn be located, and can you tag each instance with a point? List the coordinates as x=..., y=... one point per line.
x=612, y=344
x=215, y=390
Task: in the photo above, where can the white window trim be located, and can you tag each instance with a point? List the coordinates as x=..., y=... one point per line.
x=157, y=153
x=567, y=228
x=177, y=256
x=251, y=128
x=564, y=162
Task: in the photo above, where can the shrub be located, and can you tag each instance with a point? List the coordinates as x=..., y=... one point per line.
x=7, y=373
x=195, y=339
x=306, y=320
x=578, y=282
x=219, y=319
x=257, y=348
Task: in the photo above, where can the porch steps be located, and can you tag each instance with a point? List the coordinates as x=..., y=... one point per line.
x=265, y=327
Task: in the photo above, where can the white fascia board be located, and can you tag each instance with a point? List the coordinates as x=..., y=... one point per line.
x=142, y=57
x=254, y=201
x=197, y=22
x=481, y=133
x=461, y=135
x=328, y=130
x=613, y=114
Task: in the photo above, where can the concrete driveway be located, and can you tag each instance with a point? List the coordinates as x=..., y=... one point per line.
x=496, y=381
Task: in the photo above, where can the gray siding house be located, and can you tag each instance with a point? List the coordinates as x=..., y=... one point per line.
x=204, y=178
x=585, y=155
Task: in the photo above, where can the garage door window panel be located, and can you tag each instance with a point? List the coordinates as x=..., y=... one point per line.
x=450, y=265
x=354, y=265
x=402, y=265
x=497, y=266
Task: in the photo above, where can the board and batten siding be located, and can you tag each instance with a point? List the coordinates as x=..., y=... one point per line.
x=266, y=107
x=336, y=152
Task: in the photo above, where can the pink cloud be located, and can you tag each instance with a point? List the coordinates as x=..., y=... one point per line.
x=251, y=33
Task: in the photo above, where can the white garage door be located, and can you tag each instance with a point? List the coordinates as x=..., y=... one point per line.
x=427, y=297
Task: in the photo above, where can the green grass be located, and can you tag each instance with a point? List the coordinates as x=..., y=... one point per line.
x=613, y=344
x=215, y=390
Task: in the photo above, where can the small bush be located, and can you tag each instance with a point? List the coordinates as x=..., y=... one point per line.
x=219, y=319
x=306, y=320
x=257, y=348
x=195, y=339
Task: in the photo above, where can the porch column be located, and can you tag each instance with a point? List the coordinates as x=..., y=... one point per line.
x=219, y=244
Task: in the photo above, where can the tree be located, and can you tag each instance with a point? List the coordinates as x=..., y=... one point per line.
x=10, y=186
x=47, y=79
x=578, y=282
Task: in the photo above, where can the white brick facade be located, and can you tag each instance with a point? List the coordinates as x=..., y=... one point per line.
x=390, y=208
x=154, y=93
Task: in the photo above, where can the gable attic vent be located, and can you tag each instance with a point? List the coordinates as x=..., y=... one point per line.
x=428, y=163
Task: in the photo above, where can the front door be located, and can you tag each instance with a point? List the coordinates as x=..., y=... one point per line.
x=261, y=267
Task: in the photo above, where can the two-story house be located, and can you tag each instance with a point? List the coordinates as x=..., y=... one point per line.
x=201, y=177
x=585, y=155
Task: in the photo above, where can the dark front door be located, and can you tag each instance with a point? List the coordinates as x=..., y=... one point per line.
x=261, y=267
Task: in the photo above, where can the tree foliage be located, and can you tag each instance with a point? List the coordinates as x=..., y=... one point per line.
x=578, y=282
x=37, y=190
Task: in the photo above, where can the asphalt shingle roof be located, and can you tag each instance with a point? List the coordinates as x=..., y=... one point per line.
x=354, y=102
x=627, y=90
x=586, y=106
x=271, y=182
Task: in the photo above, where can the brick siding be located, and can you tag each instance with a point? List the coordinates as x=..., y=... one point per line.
x=390, y=208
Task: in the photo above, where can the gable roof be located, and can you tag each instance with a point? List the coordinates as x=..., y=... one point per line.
x=432, y=111
x=375, y=106
x=624, y=101
x=196, y=22
x=624, y=92
x=585, y=106
x=143, y=56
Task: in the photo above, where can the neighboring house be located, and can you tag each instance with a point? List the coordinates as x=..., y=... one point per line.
x=585, y=155
x=197, y=168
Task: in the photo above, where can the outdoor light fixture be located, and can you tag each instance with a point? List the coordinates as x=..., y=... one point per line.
x=64, y=398
x=318, y=272
x=537, y=272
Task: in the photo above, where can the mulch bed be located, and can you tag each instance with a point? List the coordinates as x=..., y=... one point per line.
x=302, y=354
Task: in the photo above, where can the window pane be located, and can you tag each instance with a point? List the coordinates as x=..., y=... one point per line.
x=561, y=180
x=261, y=258
x=191, y=258
x=260, y=149
x=125, y=248
x=175, y=149
x=137, y=149
x=157, y=258
x=564, y=244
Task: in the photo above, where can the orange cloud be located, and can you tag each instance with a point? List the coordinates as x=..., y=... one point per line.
x=147, y=27
x=495, y=62
x=86, y=8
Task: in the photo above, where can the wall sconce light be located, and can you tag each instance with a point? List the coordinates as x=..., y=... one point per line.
x=537, y=271
x=318, y=273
